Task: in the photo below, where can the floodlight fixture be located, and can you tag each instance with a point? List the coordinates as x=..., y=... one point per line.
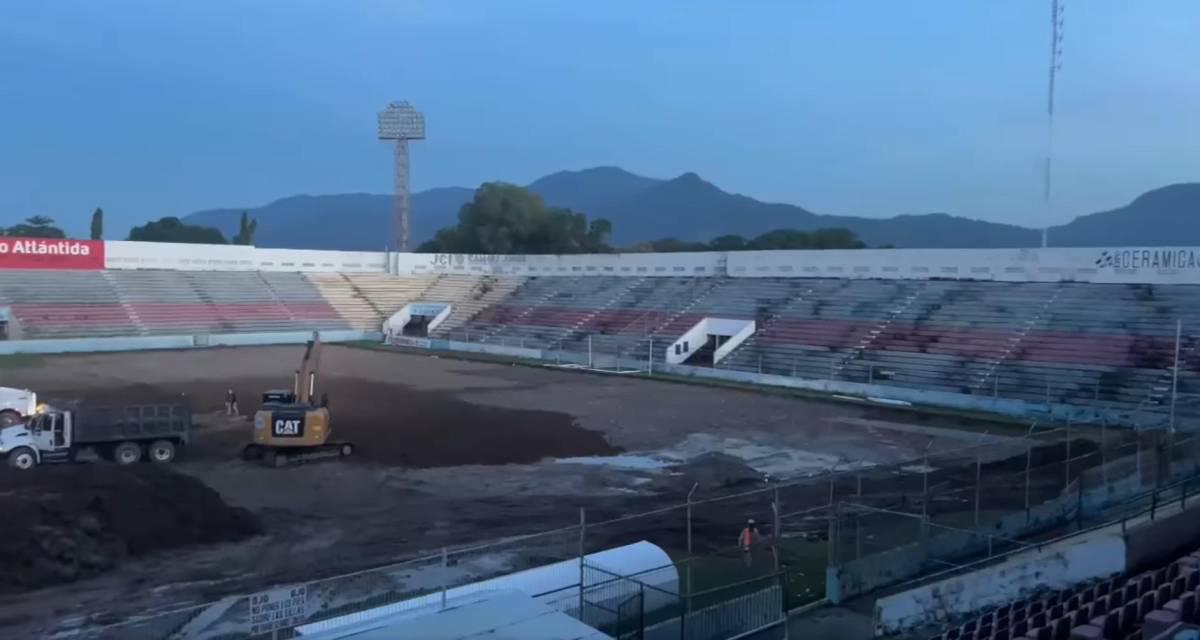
x=400, y=121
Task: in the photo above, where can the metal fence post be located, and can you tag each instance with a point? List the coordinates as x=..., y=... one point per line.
x=1137, y=437
x=590, y=365
x=687, y=602
x=833, y=535
x=445, y=579
x=650, y=362
x=1175, y=373
x=1028, y=471
x=858, y=534
x=925, y=489
x=1103, y=452
x=978, y=477
x=1067, y=456
x=582, y=530
x=778, y=527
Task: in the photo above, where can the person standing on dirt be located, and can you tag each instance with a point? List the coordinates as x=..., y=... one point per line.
x=746, y=541
x=231, y=408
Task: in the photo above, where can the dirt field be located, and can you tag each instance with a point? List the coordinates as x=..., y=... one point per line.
x=448, y=452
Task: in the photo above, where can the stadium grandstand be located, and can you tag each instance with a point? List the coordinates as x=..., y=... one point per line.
x=1049, y=337
x=1074, y=328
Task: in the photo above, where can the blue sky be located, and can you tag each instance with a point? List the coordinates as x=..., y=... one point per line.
x=150, y=108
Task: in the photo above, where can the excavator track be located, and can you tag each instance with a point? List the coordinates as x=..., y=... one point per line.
x=284, y=456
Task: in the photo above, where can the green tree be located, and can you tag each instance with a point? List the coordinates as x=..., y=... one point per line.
x=796, y=239
x=246, y=228
x=504, y=218
x=35, y=227
x=172, y=229
x=668, y=245
x=97, y=224
x=727, y=243
x=836, y=239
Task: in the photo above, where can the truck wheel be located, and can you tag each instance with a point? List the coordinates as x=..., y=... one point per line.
x=346, y=450
x=9, y=418
x=252, y=452
x=127, y=453
x=162, y=451
x=22, y=458
x=279, y=459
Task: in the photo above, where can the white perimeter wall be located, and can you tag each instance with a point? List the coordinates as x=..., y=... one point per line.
x=1058, y=565
x=208, y=257
x=612, y=264
x=1154, y=265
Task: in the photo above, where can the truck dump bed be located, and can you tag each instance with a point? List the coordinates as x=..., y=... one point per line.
x=141, y=422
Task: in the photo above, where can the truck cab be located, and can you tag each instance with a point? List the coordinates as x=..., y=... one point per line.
x=16, y=405
x=42, y=437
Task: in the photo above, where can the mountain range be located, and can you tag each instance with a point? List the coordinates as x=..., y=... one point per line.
x=689, y=208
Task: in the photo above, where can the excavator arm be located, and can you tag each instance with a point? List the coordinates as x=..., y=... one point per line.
x=306, y=376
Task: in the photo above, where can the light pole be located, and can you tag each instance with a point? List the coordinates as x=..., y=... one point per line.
x=400, y=122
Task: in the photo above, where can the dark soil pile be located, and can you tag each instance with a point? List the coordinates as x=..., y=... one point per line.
x=422, y=429
x=61, y=523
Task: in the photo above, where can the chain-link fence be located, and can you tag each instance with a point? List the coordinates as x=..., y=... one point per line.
x=937, y=514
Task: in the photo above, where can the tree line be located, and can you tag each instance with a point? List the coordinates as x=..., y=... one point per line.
x=501, y=218
x=168, y=229
x=507, y=219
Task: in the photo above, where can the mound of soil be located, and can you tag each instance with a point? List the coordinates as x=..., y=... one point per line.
x=65, y=522
x=424, y=429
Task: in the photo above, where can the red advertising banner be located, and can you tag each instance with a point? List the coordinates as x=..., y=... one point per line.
x=47, y=253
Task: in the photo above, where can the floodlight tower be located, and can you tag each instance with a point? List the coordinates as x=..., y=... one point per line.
x=1056, y=38
x=400, y=122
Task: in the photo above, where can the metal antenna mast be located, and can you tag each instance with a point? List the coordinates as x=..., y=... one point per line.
x=1056, y=38
x=400, y=122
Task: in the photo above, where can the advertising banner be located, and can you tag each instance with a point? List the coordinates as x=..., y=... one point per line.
x=49, y=253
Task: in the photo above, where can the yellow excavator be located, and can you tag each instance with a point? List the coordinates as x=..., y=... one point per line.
x=292, y=426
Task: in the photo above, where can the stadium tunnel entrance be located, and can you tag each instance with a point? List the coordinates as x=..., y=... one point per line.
x=417, y=319
x=709, y=341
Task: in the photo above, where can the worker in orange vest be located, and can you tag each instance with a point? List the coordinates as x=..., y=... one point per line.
x=746, y=540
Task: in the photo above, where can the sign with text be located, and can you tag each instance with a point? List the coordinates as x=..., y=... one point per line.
x=461, y=260
x=278, y=609
x=48, y=253
x=1169, y=259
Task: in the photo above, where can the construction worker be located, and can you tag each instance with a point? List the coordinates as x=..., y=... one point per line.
x=231, y=407
x=746, y=541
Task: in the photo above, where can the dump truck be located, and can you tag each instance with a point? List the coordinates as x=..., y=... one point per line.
x=125, y=435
